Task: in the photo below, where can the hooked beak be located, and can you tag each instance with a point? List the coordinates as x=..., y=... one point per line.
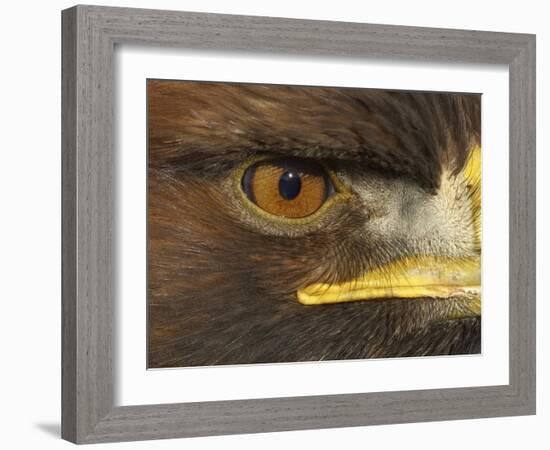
x=407, y=278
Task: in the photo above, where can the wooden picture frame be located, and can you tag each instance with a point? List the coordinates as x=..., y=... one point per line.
x=90, y=34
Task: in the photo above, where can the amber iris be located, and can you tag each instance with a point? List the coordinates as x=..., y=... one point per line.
x=288, y=187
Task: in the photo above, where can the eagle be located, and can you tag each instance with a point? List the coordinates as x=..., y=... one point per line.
x=303, y=223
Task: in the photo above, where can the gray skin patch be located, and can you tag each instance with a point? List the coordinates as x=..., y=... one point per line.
x=399, y=210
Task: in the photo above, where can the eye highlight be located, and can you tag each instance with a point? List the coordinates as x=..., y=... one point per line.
x=287, y=187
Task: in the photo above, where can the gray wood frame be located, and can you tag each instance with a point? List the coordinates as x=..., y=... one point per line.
x=89, y=36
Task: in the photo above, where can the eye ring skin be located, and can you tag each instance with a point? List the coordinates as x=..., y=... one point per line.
x=341, y=193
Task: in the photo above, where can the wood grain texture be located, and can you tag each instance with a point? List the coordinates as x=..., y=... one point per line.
x=68, y=225
x=89, y=36
x=522, y=283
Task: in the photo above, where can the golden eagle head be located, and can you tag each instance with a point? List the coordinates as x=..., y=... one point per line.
x=305, y=223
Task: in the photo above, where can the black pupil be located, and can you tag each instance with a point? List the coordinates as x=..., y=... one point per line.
x=290, y=185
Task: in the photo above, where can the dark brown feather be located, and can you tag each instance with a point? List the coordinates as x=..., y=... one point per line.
x=199, y=124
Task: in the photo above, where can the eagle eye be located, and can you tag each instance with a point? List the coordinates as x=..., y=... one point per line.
x=287, y=187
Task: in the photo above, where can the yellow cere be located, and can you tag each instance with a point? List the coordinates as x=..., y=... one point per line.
x=407, y=278
x=472, y=175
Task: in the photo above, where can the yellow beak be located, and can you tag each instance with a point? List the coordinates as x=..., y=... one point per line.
x=415, y=276
x=406, y=278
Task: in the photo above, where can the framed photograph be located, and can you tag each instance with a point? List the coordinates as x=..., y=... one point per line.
x=278, y=224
